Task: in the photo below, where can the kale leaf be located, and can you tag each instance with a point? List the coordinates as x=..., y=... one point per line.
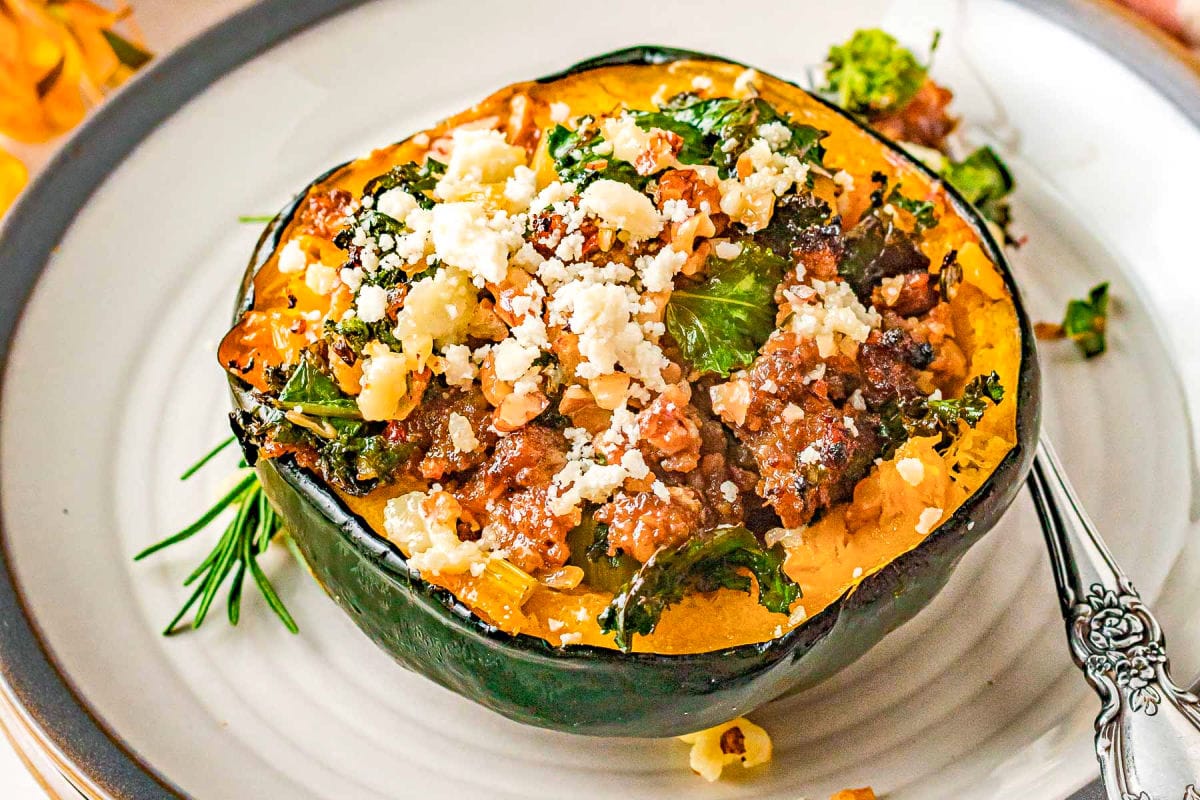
x=1085, y=321
x=718, y=131
x=872, y=74
x=714, y=559
x=578, y=160
x=802, y=223
x=984, y=181
x=875, y=249
x=416, y=179
x=719, y=324
x=922, y=211
x=588, y=542
x=925, y=417
x=310, y=391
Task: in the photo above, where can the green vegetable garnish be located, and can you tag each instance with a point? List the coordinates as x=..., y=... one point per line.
x=720, y=324
x=873, y=74
x=708, y=561
x=718, y=131
x=577, y=161
x=416, y=179
x=589, y=551
x=925, y=417
x=922, y=210
x=983, y=179
x=260, y=219
x=311, y=391
x=246, y=537
x=1086, y=320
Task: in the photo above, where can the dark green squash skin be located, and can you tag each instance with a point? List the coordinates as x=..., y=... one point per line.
x=603, y=692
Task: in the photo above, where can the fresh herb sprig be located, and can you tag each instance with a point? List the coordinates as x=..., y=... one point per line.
x=246, y=537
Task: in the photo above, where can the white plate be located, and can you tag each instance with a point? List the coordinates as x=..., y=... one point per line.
x=112, y=388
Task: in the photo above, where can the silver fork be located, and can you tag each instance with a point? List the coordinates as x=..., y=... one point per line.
x=1148, y=731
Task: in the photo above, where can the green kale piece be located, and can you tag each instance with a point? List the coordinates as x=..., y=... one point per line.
x=900, y=421
x=984, y=181
x=416, y=179
x=872, y=74
x=578, y=158
x=1086, y=320
x=721, y=323
x=711, y=560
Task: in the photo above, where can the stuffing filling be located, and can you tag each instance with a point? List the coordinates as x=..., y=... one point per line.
x=659, y=343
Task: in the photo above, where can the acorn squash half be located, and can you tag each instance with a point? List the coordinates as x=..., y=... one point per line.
x=716, y=655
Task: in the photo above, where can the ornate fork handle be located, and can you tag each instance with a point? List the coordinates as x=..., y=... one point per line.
x=1148, y=731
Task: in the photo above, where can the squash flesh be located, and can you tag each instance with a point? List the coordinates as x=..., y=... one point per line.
x=828, y=560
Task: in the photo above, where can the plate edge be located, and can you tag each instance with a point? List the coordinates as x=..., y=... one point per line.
x=27, y=669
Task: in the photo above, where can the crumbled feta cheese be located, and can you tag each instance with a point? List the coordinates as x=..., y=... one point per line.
x=430, y=540
x=792, y=413
x=574, y=637
x=838, y=314
x=462, y=437
x=371, y=303
x=727, y=251
x=658, y=271
x=511, y=359
x=677, y=210
x=396, y=203
x=602, y=316
x=521, y=187
x=353, y=278
x=292, y=258
x=556, y=192
x=320, y=278
x=660, y=490
x=810, y=455
x=464, y=237
x=769, y=386
x=729, y=491
x=912, y=470
x=581, y=480
x=775, y=134
x=622, y=206
x=857, y=402
x=477, y=157
x=423, y=320
x=633, y=463
x=559, y=112
x=702, y=82
x=628, y=139
x=457, y=368
x=851, y=427
x=844, y=179
x=797, y=616
x=928, y=520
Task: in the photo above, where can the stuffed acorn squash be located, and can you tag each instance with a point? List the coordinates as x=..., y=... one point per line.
x=632, y=398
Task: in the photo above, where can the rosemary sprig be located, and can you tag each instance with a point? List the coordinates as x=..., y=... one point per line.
x=245, y=538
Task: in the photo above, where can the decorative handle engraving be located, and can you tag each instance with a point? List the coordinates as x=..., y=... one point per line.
x=1148, y=730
